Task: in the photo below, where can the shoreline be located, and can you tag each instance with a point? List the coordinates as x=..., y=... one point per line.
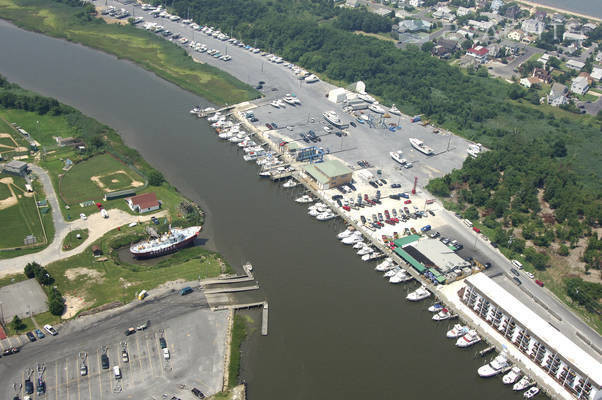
x=531, y=4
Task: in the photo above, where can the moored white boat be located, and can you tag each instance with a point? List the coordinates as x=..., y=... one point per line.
x=358, y=245
x=496, y=366
x=531, y=392
x=524, y=383
x=353, y=239
x=470, y=338
x=512, y=376
x=436, y=307
x=375, y=255
x=291, y=183
x=304, y=199
x=325, y=216
x=394, y=110
x=399, y=277
x=419, y=294
x=385, y=265
x=457, y=331
x=442, y=315
x=365, y=250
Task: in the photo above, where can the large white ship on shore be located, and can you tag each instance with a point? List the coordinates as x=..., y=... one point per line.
x=334, y=119
x=421, y=147
x=171, y=241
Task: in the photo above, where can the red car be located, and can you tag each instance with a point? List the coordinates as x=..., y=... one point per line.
x=477, y=230
x=540, y=283
x=346, y=208
x=407, y=202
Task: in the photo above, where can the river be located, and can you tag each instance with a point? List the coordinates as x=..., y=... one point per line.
x=336, y=328
x=586, y=7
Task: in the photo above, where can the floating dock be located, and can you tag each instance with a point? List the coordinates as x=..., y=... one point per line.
x=264, y=320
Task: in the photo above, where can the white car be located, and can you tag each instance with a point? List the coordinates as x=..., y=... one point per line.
x=530, y=275
x=327, y=129
x=50, y=329
x=166, y=353
x=83, y=216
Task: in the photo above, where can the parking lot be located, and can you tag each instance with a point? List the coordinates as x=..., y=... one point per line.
x=23, y=299
x=194, y=337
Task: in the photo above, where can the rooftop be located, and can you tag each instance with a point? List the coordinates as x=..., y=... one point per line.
x=146, y=200
x=539, y=327
x=333, y=168
x=441, y=255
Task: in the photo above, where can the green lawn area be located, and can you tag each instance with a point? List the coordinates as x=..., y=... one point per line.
x=21, y=219
x=42, y=128
x=101, y=282
x=153, y=53
x=10, y=279
x=535, y=57
x=77, y=185
x=27, y=326
x=239, y=333
x=71, y=241
x=5, y=141
x=117, y=181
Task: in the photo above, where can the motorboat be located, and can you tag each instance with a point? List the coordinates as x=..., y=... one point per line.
x=385, y=265
x=512, y=376
x=399, y=277
x=347, y=232
x=247, y=143
x=304, y=199
x=366, y=97
x=325, y=216
x=353, y=239
x=531, y=392
x=333, y=118
x=394, y=110
x=265, y=174
x=397, y=156
x=442, y=315
x=195, y=110
x=311, y=78
x=523, y=384
x=365, y=250
x=359, y=245
x=290, y=100
x=291, y=183
x=375, y=255
x=495, y=367
x=391, y=272
x=457, y=331
x=470, y=338
x=436, y=307
x=419, y=294
x=314, y=211
x=376, y=108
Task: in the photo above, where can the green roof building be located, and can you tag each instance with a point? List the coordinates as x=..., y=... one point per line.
x=329, y=174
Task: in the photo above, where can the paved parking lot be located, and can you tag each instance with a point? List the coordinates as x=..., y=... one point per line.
x=23, y=299
x=195, y=338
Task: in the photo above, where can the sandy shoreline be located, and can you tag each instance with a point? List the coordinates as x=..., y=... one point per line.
x=556, y=9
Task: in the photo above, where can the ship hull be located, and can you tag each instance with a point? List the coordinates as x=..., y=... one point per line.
x=166, y=250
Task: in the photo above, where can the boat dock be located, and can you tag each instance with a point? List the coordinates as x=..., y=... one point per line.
x=203, y=114
x=231, y=289
x=264, y=320
x=486, y=351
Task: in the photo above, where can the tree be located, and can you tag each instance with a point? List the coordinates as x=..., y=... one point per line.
x=559, y=149
x=563, y=250
x=155, y=178
x=56, y=303
x=467, y=44
x=427, y=47
x=43, y=277
x=17, y=324
x=30, y=269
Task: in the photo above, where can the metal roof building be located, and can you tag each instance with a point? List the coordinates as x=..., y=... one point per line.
x=329, y=174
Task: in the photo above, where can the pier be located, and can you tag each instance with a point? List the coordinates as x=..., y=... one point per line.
x=231, y=289
x=264, y=319
x=203, y=114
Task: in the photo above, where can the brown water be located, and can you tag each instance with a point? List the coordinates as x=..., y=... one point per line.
x=337, y=329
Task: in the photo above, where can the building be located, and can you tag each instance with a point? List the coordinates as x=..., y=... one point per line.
x=119, y=194
x=465, y=34
x=15, y=167
x=580, y=85
x=534, y=26
x=480, y=53
x=481, y=25
x=576, y=65
x=444, y=47
x=337, y=95
x=496, y=5
x=596, y=73
x=329, y=174
x=143, y=202
x=444, y=13
x=512, y=12
x=542, y=74
x=414, y=25
x=571, y=368
x=416, y=3
x=573, y=37
x=557, y=95
x=530, y=81
x=352, y=3
x=462, y=11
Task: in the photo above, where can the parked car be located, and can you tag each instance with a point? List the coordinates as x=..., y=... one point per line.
x=269, y=126
x=50, y=329
x=104, y=360
x=530, y=275
x=477, y=230
x=540, y=283
x=166, y=353
x=185, y=291
x=31, y=337
x=83, y=216
x=198, y=393
x=130, y=331
x=407, y=202
x=28, y=386
x=39, y=334
x=162, y=343
x=514, y=271
x=516, y=280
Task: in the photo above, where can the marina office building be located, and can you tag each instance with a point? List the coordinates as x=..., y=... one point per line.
x=571, y=367
x=329, y=174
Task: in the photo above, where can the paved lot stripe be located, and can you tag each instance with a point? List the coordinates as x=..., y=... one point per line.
x=139, y=355
x=56, y=380
x=99, y=373
x=150, y=358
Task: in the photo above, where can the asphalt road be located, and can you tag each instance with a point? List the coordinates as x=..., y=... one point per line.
x=184, y=321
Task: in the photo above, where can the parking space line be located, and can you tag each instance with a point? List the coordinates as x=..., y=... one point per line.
x=56, y=380
x=99, y=373
x=77, y=378
x=138, y=353
x=160, y=351
x=67, y=377
x=150, y=358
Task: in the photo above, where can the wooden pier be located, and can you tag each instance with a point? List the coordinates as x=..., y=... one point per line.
x=203, y=114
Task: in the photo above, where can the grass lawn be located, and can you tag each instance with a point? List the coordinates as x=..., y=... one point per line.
x=6, y=141
x=153, y=53
x=27, y=326
x=42, y=128
x=47, y=318
x=239, y=333
x=19, y=220
x=71, y=241
x=77, y=185
x=116, y=181
x=101, y=282
x=10, y=279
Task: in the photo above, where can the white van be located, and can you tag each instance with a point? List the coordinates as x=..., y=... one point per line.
x=117, y=372
x=467, y=223
x=517, y=264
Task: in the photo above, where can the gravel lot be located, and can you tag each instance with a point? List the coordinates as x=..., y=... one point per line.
x=22, y=299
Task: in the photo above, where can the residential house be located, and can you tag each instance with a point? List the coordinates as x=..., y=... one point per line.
x=479, y=53
x=512, y=12
x=482, y=25
x=493, y=50
x=416, y=3
x=382, y=11
x=530, y=81
x=444, y=13
x=587, y=28
x=444, y=47
x=544, y=59
x=516, y=34
x=542, y=74
x=143, y=202
x=465, y=34
x=573, y=37
x=576, y=65
x=596, y=73
x=534, y=26
x=580, y=84
x=557, y=95
x=496, y=5
x=462, y=11
x=573, y=25
x=540, y=15
x=352, y=3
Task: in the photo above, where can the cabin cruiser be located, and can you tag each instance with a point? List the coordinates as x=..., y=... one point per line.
x=365, y=250
x=275, y=104
x=512, y=376
x=245, y=143
x=468, y=339
x=419, y=294
x=457, y=331
x=385, y=265
x=376, y=108
x=391, y=272
x=265, y=173
x=347, y=232
x=366, y=97
x=394, y=110
x=215, y=117
x=421, y=147
x=397, y=156
x=195, y=110
x=304, y=199
x=311, y=78
x=353, y=239
x=358, y=245
x=531, y=392
x=442, y=315
x=333, y=118
x=375, y=255
x=317, y=209
x=325, y=216
x=524, y=383
x=436, y=307
x=291, y=183
x=400, y=276
x=289, y=100
x=496, y=366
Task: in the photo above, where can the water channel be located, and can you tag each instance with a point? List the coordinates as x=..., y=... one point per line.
x=337, y=329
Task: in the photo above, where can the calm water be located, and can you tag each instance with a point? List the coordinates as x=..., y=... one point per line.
x=336, y=328
x=587, y=7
